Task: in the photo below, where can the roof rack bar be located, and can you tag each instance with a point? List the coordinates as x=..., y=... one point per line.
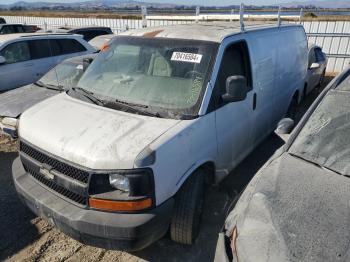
x=241, y=17
x=279, y=16
x=144, y=16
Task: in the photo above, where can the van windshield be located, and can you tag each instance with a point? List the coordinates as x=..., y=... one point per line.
x=167, y=75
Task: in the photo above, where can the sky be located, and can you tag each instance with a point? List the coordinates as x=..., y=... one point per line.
x=190, y=2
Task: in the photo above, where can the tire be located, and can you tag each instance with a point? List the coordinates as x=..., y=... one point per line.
x=185, y=222
x=293, y=108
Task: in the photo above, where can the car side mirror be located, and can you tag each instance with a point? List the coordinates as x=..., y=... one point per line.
x=315, y=65
x=284, y=128
x=2, y=60
x=236, y=89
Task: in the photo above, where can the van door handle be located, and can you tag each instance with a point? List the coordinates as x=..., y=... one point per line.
x=254, y=101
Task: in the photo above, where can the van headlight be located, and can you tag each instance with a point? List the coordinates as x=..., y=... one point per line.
x=122, y=190
x=119, y=182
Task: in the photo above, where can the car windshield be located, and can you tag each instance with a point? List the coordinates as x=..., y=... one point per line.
x=325, y=138
x=166, y=75
x=64, y=75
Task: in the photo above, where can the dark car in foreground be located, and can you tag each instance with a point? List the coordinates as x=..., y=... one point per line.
x=61, y=78
x=297, y=207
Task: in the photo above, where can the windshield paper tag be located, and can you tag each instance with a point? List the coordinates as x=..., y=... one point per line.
x=186, y=57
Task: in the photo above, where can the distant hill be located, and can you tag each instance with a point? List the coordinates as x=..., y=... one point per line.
x=83, y=4
x=90, y=4
x=320, y=3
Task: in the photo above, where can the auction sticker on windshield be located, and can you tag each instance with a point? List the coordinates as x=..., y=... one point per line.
x=186, y=57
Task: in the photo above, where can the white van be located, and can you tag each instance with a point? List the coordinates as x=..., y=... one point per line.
x=117, y=160
x=25, y=58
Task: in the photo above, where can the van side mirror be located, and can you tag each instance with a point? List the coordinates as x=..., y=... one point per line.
x=2, y=60
x=236, y=89
x=315, y=65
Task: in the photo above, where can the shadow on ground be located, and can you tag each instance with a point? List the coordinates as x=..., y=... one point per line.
x=16, y=228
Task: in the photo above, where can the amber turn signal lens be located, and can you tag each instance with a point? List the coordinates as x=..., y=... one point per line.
x=110, y=205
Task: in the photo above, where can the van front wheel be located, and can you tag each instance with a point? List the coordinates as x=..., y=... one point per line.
x=184, y=227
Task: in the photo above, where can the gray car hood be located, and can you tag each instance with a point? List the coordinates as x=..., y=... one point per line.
x=13, y=103
x=293, y=210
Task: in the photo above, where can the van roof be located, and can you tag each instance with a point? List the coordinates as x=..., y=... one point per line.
x=208, y=31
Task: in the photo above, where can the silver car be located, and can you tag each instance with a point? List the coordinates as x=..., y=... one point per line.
x=62, y=77
x=316, y=68
x=25, y=58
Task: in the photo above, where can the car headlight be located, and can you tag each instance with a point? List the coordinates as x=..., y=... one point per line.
x=9, y=121
x=119, y=182
x=9, y=126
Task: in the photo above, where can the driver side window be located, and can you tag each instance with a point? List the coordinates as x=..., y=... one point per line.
x=235, y=62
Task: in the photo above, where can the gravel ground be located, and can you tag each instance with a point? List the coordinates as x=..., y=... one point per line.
x=25, y=237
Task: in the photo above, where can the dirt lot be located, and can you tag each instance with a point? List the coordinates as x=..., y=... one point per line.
x=25, y=237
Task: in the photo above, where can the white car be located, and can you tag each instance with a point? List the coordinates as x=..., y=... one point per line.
x=317, y=65
x=25, y=58
x=124, y=156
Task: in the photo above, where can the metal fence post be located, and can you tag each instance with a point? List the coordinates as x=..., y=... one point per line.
x=232, y=13
x=279, y=16
x=198, y=11
x=241, y=17
x=300, y=15
x=144, y=16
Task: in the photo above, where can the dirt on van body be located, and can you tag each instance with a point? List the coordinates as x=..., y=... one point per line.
x=25, y=237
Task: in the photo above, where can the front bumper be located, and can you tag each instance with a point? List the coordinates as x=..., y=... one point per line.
x=96, y=228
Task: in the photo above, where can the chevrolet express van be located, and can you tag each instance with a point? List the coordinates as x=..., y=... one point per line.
x=123, y=157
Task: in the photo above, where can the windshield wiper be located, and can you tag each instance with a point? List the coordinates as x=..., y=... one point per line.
x=49, y=86
x=134, y=107
x=89, y=95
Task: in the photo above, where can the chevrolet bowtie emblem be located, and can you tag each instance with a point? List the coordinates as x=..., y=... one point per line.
x=47, y=174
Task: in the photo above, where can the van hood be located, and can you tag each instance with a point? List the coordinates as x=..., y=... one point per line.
x=89, y=135
x=13, y=103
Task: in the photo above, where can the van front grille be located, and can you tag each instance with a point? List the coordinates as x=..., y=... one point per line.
x=57, y=165
x=78, y=199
